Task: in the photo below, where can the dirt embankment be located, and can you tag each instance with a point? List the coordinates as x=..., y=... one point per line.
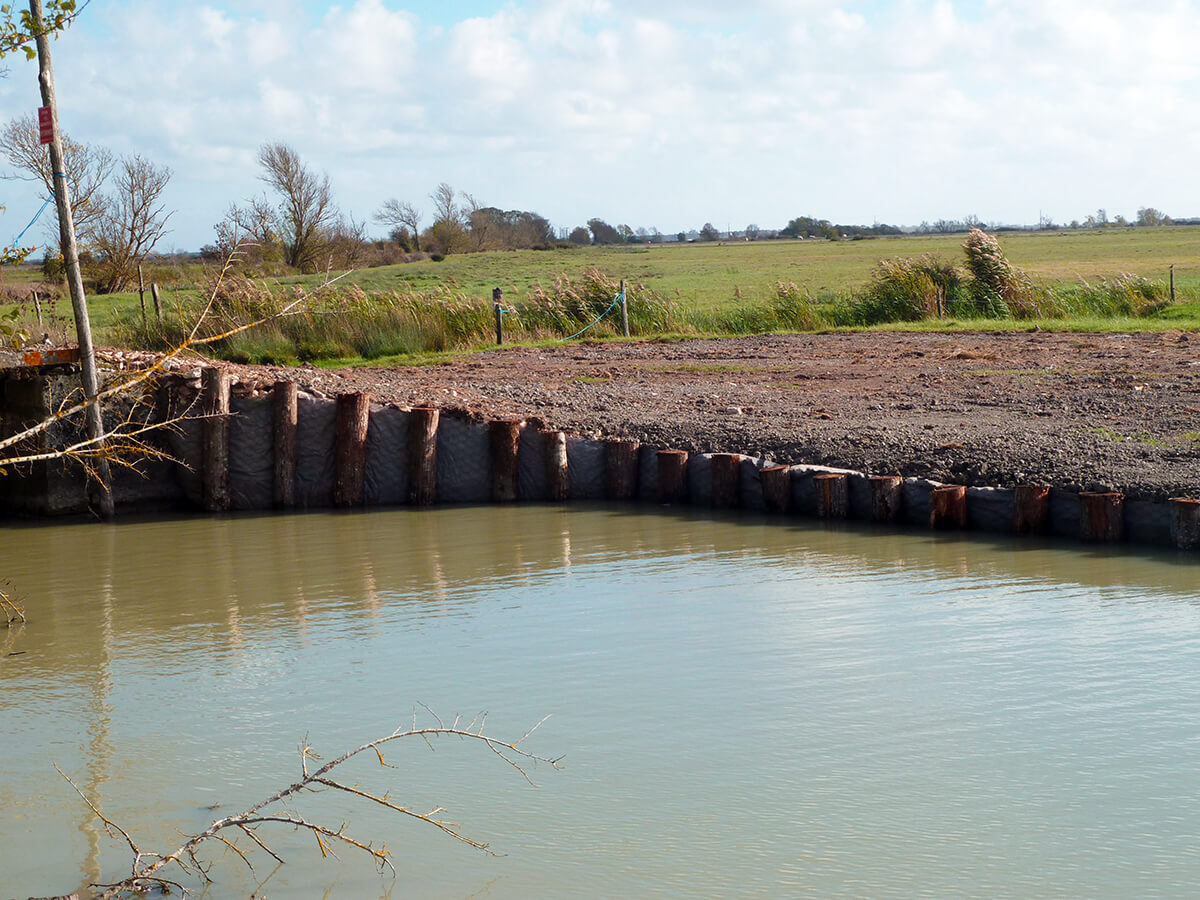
x=1081, y=412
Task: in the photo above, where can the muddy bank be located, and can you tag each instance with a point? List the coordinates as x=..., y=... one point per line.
x=1080, y=412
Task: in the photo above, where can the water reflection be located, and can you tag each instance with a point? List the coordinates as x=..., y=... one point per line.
x=884, y=701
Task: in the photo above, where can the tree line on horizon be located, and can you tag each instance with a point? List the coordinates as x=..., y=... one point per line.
x=297, y=225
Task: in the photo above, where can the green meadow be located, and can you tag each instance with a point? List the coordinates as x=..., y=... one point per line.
x=416, y=309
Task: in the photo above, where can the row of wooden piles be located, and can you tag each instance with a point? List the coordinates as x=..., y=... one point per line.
x=1102, y=514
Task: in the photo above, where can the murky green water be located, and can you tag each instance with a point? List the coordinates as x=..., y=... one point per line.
x=747, y=709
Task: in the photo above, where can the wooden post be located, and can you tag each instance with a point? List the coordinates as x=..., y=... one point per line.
x=948, y=506
x=833, y=495
x=37, y=307
x=621, y=469
x=624, y=311
x=422, y=456
x=1172, y=282
x=1185, y=523
x=142, y=294
x=887, y=497
x=777, y=488
x=350, y=449
x=157, y=303
x=1102, y=516
x=1031, y=509
x=89, y=374
x=504, y=441
x=285, y=425
x=672, y=476
x=726, y=479
x=214, y=388
x=558, y=481
x=497, y=303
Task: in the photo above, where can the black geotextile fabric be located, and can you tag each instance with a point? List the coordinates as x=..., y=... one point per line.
x=251, y=453
x=385, y=481
x=314, y=452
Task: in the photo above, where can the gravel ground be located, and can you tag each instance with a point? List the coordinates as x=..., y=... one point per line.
x=1079, y=411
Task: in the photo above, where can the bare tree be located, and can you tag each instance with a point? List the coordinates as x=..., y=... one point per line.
x=448, y=233
x=445, y=209
x=134, y=220
x=306, y=207
x=87, y=167
x=397, y=214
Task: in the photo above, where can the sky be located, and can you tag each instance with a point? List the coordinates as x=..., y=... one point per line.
x=665, y=114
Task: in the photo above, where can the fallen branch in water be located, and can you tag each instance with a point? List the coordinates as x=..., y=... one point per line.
x=150, y=870
x=12, y=611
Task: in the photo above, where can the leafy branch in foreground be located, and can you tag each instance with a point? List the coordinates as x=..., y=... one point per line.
x=241, y=833
x=125, y=443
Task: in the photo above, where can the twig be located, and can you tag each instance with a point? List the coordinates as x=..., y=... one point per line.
x=147, y=867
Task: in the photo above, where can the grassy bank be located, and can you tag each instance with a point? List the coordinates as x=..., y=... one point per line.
x=1077, y=281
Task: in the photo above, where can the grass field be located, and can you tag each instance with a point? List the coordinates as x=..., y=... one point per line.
x=723, y=288
x=709, y=276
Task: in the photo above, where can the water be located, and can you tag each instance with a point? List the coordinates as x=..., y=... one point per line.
x=747, y=709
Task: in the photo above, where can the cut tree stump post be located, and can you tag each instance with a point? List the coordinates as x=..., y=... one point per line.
x=350, y=449
x=672, y=476
x=498, y=305
x=1185, y=523
x=1102, y=516
x=214, y=388
x=833, y=495
x=887, y=497
x=1031, y=509
x=624, y=311
x=504, y=442
x=558, y=477
x=285, y=423
x=422, y=456
x=621, y=469
x=777, y=488
x=948, y=506
x=726, y=479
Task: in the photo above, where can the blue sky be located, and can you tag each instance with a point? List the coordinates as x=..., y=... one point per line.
x=666, y=114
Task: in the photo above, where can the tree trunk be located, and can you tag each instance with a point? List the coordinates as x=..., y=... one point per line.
x=90, y=376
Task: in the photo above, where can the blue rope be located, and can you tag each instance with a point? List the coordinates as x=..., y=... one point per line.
x=611, y=307
x=17, y=240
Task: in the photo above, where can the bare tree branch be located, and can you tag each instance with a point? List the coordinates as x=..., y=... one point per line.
x=147, y=868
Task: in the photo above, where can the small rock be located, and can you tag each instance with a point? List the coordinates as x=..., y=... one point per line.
x=733, y=410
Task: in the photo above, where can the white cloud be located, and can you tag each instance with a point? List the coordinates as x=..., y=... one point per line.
x=662, y=114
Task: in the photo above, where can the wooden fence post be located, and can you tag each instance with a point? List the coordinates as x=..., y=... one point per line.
x=887, y=497
x=498, y=305
x=504, y=444
x=285, y=424
x=422, y=456
x=350, y=449
x=621, y=469
x=726, y=479
x=1102, y=516
x=1031, y=509
x=1185, y=523
x=214, y=387
x=558, y=477
x=777, y=488
x=833, y=495
x=948, y=506
x=672, y=476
